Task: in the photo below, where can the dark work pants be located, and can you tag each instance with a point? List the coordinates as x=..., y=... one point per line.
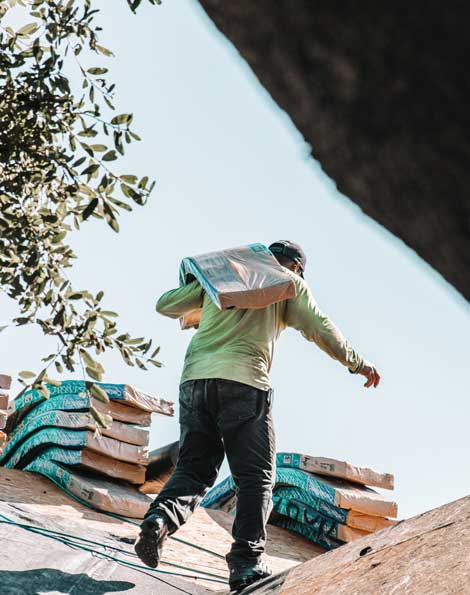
x=222, y=416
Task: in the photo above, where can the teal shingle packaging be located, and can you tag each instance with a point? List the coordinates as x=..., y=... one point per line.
x=74, y=439
x=332, y=491
x=75, y=393
x=99, y=493
x=307, y=515
x=87, y=460
x=75, y=417
x=59, y=437
x=335, y=468
x=328, y=511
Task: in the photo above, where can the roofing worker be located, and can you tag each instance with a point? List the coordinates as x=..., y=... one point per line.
x=225, y=407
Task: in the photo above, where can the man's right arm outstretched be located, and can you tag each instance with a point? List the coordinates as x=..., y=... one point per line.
x=304, y=315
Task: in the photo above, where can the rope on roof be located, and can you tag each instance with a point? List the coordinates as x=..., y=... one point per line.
x=126, y=520
x=71, y=540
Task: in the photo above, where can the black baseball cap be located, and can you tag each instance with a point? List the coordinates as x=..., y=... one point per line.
x=290, y=250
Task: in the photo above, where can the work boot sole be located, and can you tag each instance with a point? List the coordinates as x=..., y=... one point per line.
x=238, y=586
x=148, y=548
x=253, y=587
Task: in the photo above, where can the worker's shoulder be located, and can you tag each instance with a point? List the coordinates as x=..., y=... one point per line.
x=300, y=284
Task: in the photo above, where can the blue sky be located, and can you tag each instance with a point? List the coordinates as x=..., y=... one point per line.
x=232, y=169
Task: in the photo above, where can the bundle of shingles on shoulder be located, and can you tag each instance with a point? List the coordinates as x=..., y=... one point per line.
x=325, y=500
x=60, y=438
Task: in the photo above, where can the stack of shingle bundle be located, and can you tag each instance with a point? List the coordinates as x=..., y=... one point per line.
x=5, y=384
x=325, y=500
x=59, y=438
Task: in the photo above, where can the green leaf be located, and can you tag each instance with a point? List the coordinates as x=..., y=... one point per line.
x=103, y=50
x=102, y=420
x=74, y=295
x=110, y=156
x=28, y=29
x=110, y=217
x=94, y=373
x=134, y=4
x=88, y=132
x=79, y=162
x=97, y=70
x=119, y=203
x=129, y=179
x=122, y=119
x=143, y=182
x=90, y=169
x=156, y=352
x=59, y=237
x=44, y=391
x=89, y=209
x=89, y=361
x=99, y=148
x=98, y=393
x=25, y=374
x=136, y=341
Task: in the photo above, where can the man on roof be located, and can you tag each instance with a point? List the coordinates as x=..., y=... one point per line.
x=225, y=408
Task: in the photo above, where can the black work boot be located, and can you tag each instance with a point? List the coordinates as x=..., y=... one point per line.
x=243, y=574
x=153, y=532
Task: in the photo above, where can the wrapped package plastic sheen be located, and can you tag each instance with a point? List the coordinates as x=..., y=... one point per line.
x=73, y=395
x=339, y=493
x=312, y=533
x=121, y=413
x=304, y=514
x=351, y=518
x=121, y=499
x=247, y=277
x=89, y=460
x=41, y=420
x=334, y=468
x=46, y=414
x=116, y=392
x=75, y=439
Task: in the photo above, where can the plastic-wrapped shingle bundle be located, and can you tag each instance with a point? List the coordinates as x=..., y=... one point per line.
x=329, y=511
x=59, y=438
x=5, y=384
x=247, y=277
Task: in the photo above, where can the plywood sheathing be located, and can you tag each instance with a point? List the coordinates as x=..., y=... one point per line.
x=428, y=554
x=38, y=501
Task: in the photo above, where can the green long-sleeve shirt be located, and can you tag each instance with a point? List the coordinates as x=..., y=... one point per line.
x=238, y=344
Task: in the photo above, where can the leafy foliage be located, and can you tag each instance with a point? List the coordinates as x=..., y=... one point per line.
x=58, y=148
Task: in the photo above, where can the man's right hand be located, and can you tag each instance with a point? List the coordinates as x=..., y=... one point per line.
x=370, y=372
